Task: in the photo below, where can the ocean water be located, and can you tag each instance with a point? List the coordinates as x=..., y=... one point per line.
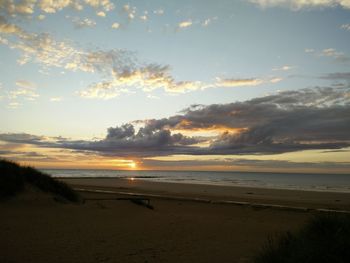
x=298, y=181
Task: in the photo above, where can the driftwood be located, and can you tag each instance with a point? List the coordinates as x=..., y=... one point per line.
x=136, y=200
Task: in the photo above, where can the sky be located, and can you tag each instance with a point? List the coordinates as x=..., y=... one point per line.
x=255, y=85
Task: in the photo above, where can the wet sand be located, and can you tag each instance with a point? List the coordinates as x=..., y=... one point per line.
x=34, y=228
x=294, y=198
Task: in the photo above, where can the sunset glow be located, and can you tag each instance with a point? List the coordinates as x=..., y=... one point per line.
x=228, y=85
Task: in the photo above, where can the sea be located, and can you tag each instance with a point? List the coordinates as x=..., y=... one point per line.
x=293, y=181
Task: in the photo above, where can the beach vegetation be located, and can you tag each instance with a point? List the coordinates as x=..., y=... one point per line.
x=324, y=239
x=15, y=178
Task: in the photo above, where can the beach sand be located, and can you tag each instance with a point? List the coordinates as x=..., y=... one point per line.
x=34, y=228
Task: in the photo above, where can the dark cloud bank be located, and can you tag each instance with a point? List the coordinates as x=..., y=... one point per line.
x=317, y=118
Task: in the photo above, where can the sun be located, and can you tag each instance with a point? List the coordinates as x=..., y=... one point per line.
x=132, y=165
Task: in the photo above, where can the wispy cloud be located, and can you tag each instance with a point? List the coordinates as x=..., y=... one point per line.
x=159, y=12
x=13, y=105
x=208, y=21
x=337, y=76
x=25, y=84
x=283, y=68
x=238, y=82
x=24, y=91
x=56, y=99
x=154, y=76
x=299, y=4
x=120, y=70
x=147, y=78
x=241, y=82
x=28, y=7
x=83, y=23
x=144, y=17
x=331, y=53
x=345, y=27
x=41, y=17
x=130, y=11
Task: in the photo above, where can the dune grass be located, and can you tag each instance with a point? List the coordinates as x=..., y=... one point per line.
x=325, y=238
x=14, y=178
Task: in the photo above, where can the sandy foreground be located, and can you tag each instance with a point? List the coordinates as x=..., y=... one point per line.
x=34, y=228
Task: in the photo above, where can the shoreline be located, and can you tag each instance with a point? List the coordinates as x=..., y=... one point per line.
x=239, y=194
x=219, y=202
x=137, y=178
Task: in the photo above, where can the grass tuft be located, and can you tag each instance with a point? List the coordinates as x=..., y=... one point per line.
x=14, y=177
x=325, y=238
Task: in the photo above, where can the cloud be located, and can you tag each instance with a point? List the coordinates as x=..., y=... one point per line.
x=115, y=25
x=121, y=71
x=48, y=52
x=158, y=12
x=337, y=76
x=49, y=6
x=26, y=89
x=13, y=105
x=275, y=80
x=8, y=28
x=144, y=17
x=83, y=23
x=208, y=21
x=289, y=121
x=39, y=48
x=21, y=138
x=184, y=24
x=300, y=4
x=28, y=7
x=149, y=96
x=56, y=99
x=25, y=84
x=331, y=53
x=106, y=5
x=283, y=68
x=43, y=49
x=101, y=14
x=130, y=11
x=121, y=68
x=151, y=77
x=238, y=82
x=345, y=27
x=25, y=7
x=241, y=82
x=148, y=78
x=102, y=90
